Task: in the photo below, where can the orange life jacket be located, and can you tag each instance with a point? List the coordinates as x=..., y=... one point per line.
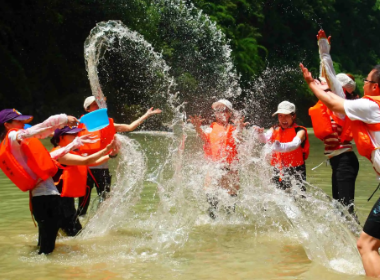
x=38, y=160
x=104, y=135
x=73, y=178
x=220, y=145
x=321, y=119
x=293, y=158
x=360, y=132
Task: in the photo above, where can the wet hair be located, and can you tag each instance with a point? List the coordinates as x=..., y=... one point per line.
x=53, y=140
x=3, y=130
x=376, y=74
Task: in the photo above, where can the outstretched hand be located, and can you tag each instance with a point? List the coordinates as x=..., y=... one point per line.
x=258, y=129
x=113, y=147
x=151, y=112
x=306, y=74
x=72, y=121
x=321, y=85
x=322, y=35
x=196, y=120
x=240, y=124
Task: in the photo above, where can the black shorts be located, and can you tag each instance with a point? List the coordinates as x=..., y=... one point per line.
x=372, y=225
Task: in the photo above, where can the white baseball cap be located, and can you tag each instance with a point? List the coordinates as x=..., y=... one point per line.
x=88, y=101
x=285, y=107
x=224, y=102
x=346, y=82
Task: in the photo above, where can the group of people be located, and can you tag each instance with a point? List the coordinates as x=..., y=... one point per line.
x=363, y=118
x=70, y=170
x=338, y=118
x=79, y=159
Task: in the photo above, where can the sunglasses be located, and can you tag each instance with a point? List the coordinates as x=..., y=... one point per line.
x=367, y=81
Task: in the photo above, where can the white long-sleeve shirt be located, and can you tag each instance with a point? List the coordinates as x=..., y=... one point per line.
x=327, y=71
x=39, y=131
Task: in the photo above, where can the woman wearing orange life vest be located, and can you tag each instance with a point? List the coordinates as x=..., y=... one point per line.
x=220, y=147
x=23, y=156
x=289, y=147
x=71, y=177
x=364, y=114
x=335, y=130
x=100, y=174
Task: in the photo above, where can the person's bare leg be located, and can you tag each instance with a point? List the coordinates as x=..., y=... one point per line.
x=368, y=247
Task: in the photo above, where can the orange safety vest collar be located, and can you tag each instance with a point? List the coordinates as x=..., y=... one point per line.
x=361, y=135
x=220, y=144
x=104, y=135
x=293, y=158
x=38, y=160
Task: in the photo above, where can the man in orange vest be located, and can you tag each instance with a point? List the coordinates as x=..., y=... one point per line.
x=100, y=174
x=365, y=116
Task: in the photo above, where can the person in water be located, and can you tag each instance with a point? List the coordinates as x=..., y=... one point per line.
x=335, y=130
x=365, y=116
x=27, y=163
x=219, y=145
x=289, y=147
x=100, y=174
x=70, y=179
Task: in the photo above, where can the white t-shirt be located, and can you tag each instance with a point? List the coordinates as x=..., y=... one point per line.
x=46, y=187
x=366, y=111
x=100, y=166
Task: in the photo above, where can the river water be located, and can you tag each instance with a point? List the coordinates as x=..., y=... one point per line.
x=248, y=247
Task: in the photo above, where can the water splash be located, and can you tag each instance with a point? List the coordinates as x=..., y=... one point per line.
x=322, y=227
x=118, y=207
x=118, y=51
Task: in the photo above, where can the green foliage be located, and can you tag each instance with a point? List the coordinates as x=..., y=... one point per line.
x=41, y=45
x=239, y=20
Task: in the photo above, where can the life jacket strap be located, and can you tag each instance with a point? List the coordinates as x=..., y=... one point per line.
x=93, y=178
x=88, y=194
x=378, y=186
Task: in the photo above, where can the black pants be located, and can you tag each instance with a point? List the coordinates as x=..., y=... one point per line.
x=283, y=179
x=102, y=184
x=70, y=223
x=345, y=169
x=47, y=213
x=372, y=224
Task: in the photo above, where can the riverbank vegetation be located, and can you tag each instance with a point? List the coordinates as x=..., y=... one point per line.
x=41, y=45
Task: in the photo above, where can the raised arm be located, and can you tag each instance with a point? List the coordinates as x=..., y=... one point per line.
x=47, y=127
x=240, y=125
x=327, y=67
x=331, y=100
x=262, y=136
x=74, y=145
x=94, y=159
x=136, y=123
x=197, y=121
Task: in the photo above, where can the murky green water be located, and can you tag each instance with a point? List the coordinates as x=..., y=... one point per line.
x=231, y=251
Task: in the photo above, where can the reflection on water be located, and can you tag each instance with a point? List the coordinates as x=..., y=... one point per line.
x=164, y=231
